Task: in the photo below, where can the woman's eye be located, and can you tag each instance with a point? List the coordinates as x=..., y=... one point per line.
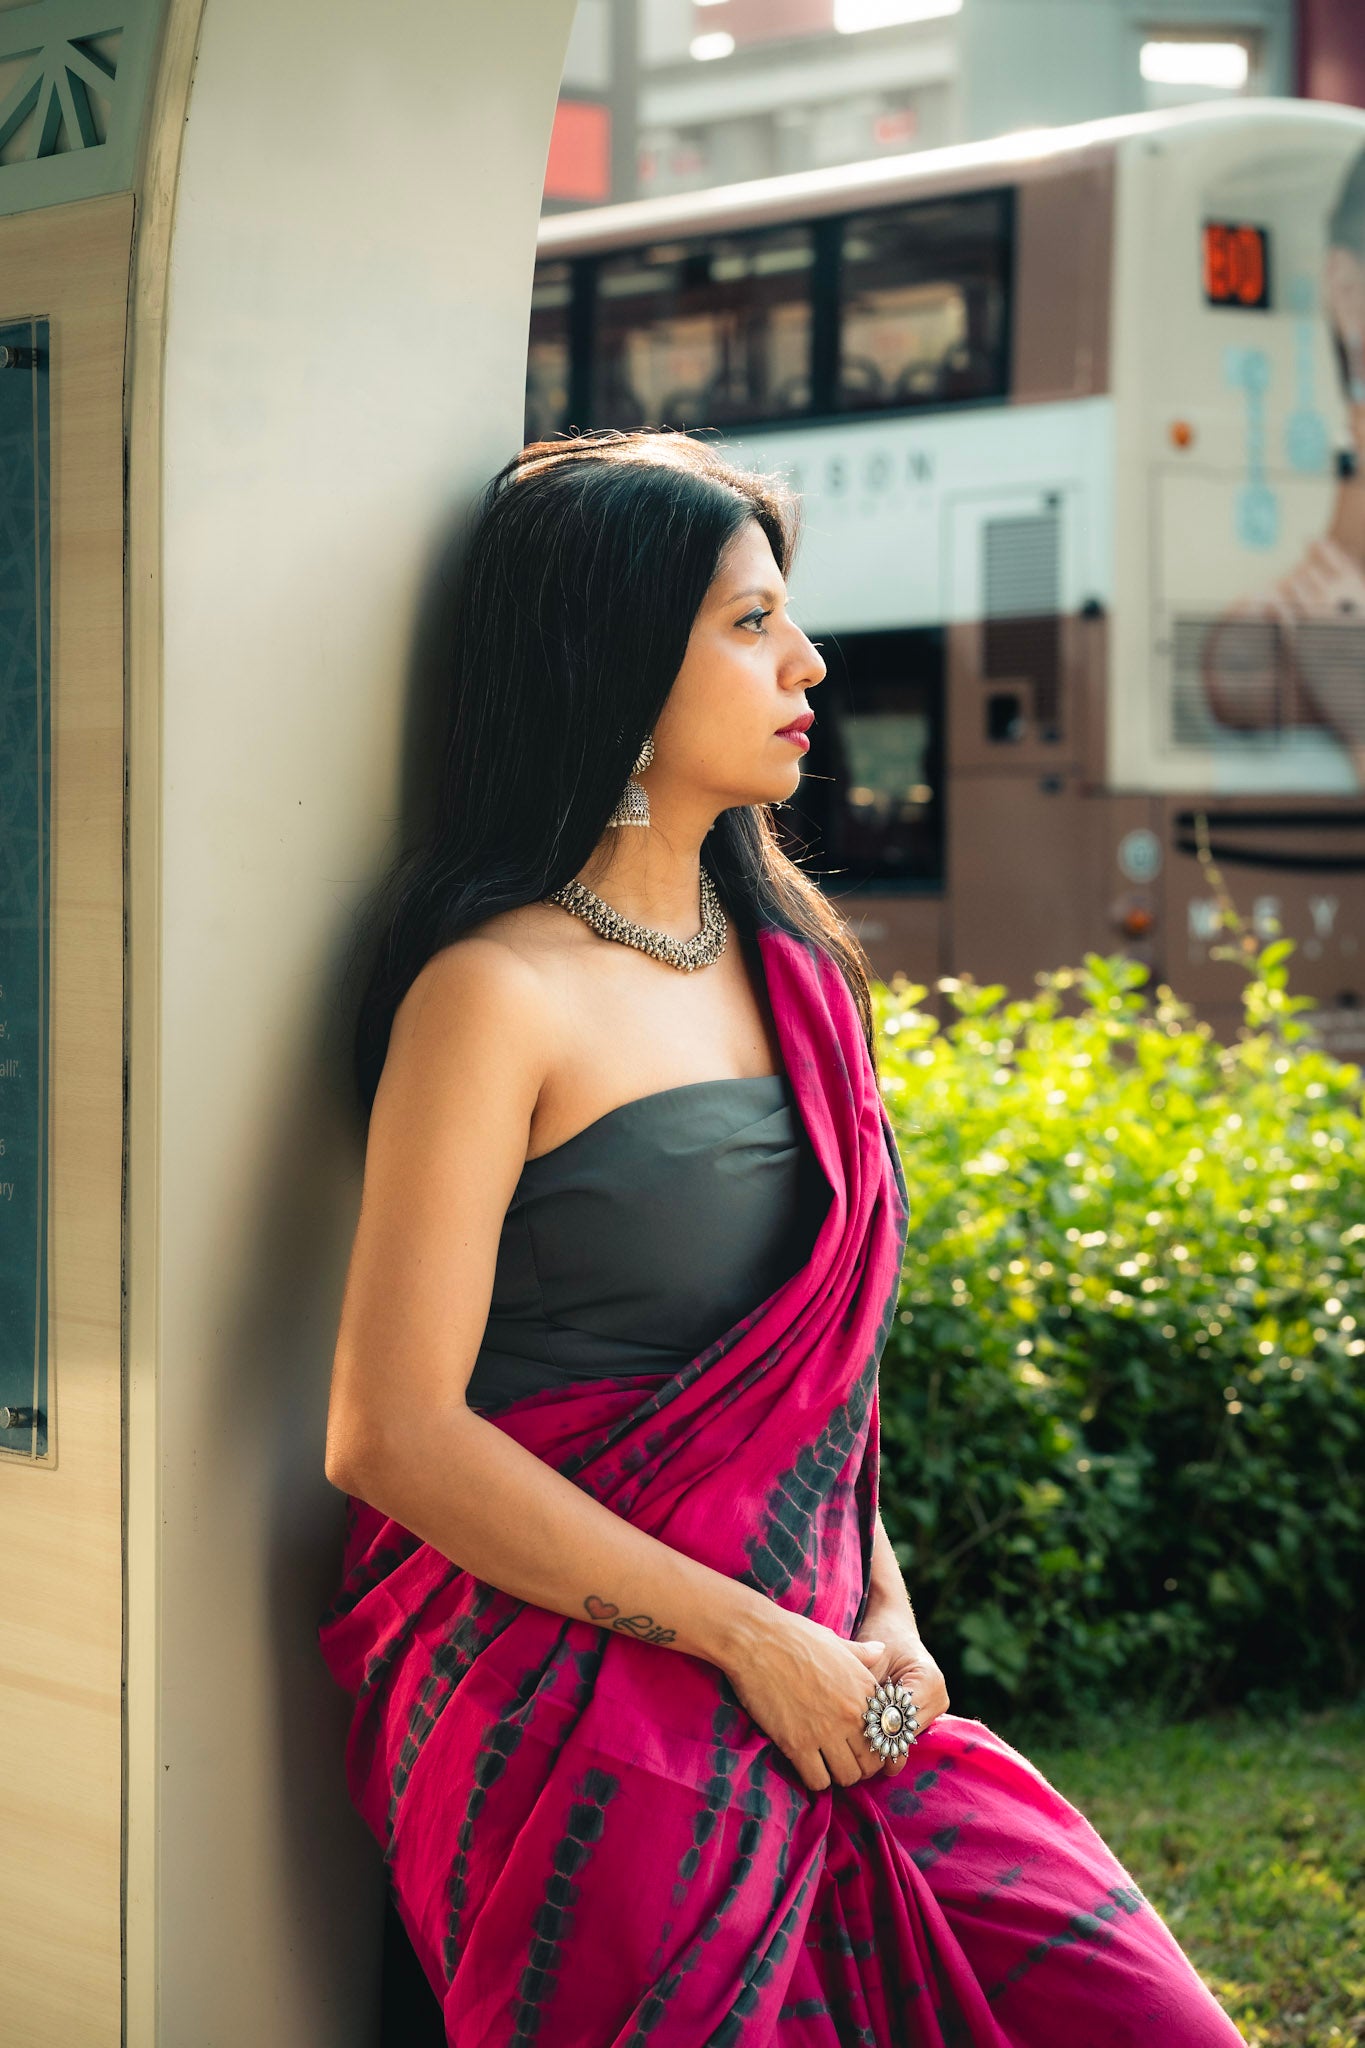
x=749, y=619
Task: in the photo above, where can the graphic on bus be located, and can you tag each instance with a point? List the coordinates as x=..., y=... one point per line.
x=1289, y=658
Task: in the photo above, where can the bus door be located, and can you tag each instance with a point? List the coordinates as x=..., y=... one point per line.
x=868, y=820
x=1024, y=738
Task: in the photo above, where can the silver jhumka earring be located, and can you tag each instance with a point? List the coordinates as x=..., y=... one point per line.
x=632, y=806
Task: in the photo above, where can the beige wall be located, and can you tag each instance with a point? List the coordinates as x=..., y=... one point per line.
x=348, y=286
x=61, y=1638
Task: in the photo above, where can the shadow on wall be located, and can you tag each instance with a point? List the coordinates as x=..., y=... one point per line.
x=412, y=2017
x=269, y=1409
x=411, y=2013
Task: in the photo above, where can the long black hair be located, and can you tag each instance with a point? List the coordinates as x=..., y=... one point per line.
x=585, y=566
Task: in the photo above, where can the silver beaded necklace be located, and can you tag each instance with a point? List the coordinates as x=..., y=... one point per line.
x=686, y=955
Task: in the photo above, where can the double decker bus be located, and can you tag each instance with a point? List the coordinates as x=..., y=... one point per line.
x=1078, y=422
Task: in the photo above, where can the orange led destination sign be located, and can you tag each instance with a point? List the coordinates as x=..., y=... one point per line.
x=1236, y=265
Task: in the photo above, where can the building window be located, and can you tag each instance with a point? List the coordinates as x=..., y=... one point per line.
x=1178, y=65
x=578, y=165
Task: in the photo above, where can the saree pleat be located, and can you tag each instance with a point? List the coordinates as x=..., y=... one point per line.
x=589, y=1841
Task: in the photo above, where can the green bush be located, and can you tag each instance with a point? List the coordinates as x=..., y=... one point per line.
x=1123, y=1404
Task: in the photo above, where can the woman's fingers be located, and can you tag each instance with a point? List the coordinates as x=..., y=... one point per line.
x=845, y=1763
x=855, y=1759
x=865, y=1758
x=808, y=1689
x=925, y=1684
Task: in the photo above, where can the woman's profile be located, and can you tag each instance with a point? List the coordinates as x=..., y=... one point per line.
x=1294, y=654
x=643, y=1722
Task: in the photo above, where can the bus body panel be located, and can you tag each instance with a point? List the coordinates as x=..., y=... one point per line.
x=1063, y=262
x=1063, y=586
x=1294, y=870
x=903, y=517
x=1228, y=419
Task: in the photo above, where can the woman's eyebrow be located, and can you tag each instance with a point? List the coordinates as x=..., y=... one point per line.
x=762, y=590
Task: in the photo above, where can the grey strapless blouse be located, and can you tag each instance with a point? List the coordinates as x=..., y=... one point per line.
x=637, y=1242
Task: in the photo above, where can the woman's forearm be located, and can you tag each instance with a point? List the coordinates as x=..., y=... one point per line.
x=888, y=1595
x=496, y=1509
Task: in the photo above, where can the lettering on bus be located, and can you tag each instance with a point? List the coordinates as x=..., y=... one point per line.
x=1204, y=920
x=879, y=471
x=1236, y=265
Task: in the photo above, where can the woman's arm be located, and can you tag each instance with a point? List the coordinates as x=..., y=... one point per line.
x=447, y=1141
x=496, y=1509
x=888, y=1598
x=890, y=1619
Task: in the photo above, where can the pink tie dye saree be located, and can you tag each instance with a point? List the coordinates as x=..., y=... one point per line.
x=589, y=1841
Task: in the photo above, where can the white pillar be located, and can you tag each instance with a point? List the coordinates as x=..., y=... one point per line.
x=329, y=328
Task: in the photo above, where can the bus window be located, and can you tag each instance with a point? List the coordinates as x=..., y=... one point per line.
x=547, y=353
x=702, y=332
x=924, y=303
x=870, y=812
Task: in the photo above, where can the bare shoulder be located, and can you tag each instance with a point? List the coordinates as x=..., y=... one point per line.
x=482, y=976
x=482, y=1011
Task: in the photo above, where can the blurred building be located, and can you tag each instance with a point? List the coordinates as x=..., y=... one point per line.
x=663, y=96
x=1331, y=51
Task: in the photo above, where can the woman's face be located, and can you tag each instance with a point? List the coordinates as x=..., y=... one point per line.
x=746, y=675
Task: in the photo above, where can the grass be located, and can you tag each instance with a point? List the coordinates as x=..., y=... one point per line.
x=1247, y=1833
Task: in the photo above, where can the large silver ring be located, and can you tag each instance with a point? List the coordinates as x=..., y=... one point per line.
x=891, y=1722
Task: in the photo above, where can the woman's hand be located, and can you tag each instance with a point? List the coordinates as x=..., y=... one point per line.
x=807, y=1688
x=904, y=1659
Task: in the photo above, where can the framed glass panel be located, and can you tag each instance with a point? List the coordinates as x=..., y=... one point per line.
x=704, y=332
x=924, y=304
x=25, y=883
x=548, y=351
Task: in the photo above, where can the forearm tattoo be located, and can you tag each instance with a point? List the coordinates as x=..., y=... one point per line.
x=639, y=1625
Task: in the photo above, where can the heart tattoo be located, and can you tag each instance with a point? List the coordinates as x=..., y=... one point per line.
x=641, y=1626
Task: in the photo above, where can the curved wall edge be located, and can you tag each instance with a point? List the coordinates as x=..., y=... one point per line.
x=336, y=237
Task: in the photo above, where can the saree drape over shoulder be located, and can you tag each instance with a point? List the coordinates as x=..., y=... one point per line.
x=592, y=1844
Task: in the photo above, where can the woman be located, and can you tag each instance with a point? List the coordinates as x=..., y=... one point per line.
x=1292, y=654
x=636, y=1675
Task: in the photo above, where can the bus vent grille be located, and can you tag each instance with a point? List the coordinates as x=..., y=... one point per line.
x=1023, y=566
x=1022, y=605
x=1250, y=682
